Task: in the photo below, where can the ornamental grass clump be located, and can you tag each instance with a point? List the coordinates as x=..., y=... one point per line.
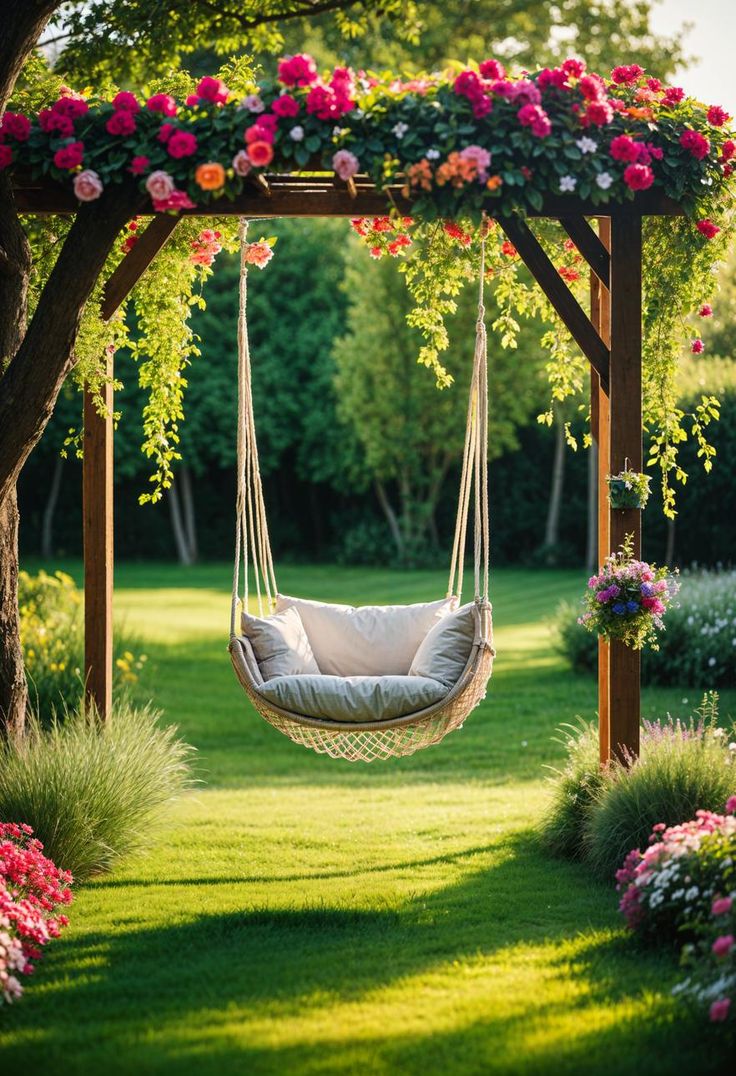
x=575, y=789
x=94, y=793
x=32, y=889
x=684, y=885
x=628, y=598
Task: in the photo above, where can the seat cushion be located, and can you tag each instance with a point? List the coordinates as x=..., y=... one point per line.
x=353, y=698
x=372, y=640
x=444, y=652
x=280, y=644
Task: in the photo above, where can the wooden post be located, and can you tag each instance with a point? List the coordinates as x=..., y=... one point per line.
x=625, y=395
x=98, y=548
x=600, y=315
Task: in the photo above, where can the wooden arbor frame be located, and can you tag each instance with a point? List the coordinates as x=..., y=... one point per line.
x=610, y=336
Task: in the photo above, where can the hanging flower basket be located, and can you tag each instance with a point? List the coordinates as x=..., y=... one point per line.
x=628, y=599
x=628, y=489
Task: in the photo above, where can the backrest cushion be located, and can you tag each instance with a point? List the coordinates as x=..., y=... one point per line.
x=280, y=644
x=372, y=640
x=444, y=652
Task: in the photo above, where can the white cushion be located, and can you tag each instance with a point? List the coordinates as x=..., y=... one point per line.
x=353, y=698
x=445, y=650
x=373, y=640
x=280, y=644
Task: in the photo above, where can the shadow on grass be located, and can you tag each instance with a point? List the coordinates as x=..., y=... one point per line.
x=322, y=987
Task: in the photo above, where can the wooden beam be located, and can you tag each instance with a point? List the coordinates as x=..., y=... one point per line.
x=564, y=302
x=626, y=448
x=97, y=498
x=590, y=246
x=136, y=261
x=600, y=314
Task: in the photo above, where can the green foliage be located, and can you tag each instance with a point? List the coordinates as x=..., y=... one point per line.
x=52, y=637
x=696, y=649
x=574, y=790
x=683, y=769
x=94, y=794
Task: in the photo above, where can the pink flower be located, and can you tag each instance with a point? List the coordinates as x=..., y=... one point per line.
x=719, y=1010
x=328, y=103
x=191, y=100
x=71, y=105
x=126, y=102
x=728, y=150
x=253, y=103
x=722, y=906
x=673, y=95
x=623, y=148
x=599, y=113
x=536, y=118
x=162, y=102
x=182, y=144
x=492, y=69
x=299, y=70
x=212, y=89
x=653, y=606
x=15, y=125
x=697, y=346
x=626, y=74
x=139, y=165
x=160, y=185
x=50, y=121
x=241, y=163
x=706, y=311
x=258, y=254
x=592, y=87
x=717, y=116
x=260, y=153
x=87, y=186
x=707, y=228
x=121, y=123
x=731, y=805
x=6, y=155
x=482, y=159
x=345, y=163
x=573, y=67
x=285, y=105
x=260, y=132
x=722, y=946
x=695, y=143
x=69, y=156
x=552, y=77
x=176, y=200
x=165, y=132
x=638, y=177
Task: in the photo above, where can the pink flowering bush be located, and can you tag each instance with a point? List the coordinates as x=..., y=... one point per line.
x=684, y=884
x=32, y=889
x=628, y=599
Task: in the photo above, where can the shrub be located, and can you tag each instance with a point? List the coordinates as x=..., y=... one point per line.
x=685, y=881
x=52, y=636
x=599, y=815
x=697, y=649
x=32, y=888
x=93, y=793
x=574, y=791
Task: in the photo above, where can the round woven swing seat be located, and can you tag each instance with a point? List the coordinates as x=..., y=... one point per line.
x=378, y=739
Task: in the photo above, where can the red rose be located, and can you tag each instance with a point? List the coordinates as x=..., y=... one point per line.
x=69, y=156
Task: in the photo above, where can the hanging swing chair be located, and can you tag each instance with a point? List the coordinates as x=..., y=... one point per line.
x=379, y=725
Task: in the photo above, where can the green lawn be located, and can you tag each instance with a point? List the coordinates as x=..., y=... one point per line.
x=302, y=915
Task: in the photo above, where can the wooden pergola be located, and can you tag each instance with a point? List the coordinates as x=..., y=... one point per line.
x=609, y=335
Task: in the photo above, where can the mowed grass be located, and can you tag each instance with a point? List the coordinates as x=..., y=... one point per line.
x=301, y=915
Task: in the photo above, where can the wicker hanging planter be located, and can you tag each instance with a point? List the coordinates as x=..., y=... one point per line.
x=628, y=489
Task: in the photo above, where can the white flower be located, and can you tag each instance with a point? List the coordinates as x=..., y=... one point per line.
x=692, y=893
x=400, y=129
x=568, y=183
x=297, y=133
x=433, y=154
x=719, y=733
x=711, y=662
x=604, y=180
x=732, y=747
x=586, y=145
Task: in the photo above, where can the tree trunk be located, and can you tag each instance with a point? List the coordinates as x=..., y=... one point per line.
x=669, y=553
x=22, y=25
x=391, y=519
x=177, y=525
x=189, y=519
x=47, y=523
x=13, y=689
x=554, y=508
x=591, y=543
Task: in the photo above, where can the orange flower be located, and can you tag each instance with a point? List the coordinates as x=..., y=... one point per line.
x=210, y=176
x=640, y=113
x=260, y=153
x=493, y=183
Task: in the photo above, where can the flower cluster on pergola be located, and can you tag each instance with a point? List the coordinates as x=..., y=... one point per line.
x=311, y=152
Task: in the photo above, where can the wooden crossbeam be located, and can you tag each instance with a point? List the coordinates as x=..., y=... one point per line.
x=590, y=246
x=136, y=261
x=564, y=302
